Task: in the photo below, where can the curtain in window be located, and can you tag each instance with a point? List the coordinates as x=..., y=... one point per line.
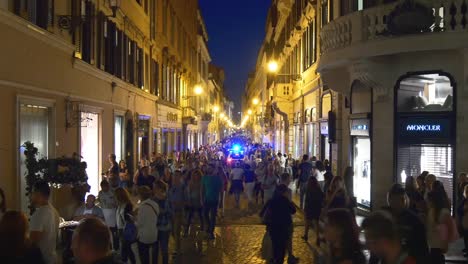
x=34, y=127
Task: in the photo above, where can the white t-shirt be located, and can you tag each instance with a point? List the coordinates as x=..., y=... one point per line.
x=46, y=220
x=319, y=176
x=237, y=174
x=282, y=162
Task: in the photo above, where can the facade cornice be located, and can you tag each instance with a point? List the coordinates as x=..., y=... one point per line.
x=20, y=24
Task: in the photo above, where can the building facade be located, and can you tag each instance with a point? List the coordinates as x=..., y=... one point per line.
x=83, y=77
x=358, y=87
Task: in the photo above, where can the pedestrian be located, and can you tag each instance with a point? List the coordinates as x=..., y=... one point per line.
x=177, y=200
x=260, y=175
x=144, y=178
x=269, y=182
x=421, y=186
x=281, y=163
x=2, y=203
x=278, y=213
x=92, y=243
x=108, y=204
x=462, y=181
x=167, y=178
x=313, y=207
x=250, y=178
x=194, y=200
x=416, y=200
x=289, y=164
x=286, y=180
x=342, y=236
x=164, y=221
x=318, y=172
x=305, y=171
x=147, y=221
x=15, y=245
x=237, y=183
x=440, y=226
x=124, y=216
x=113, y=176
x=383, y=240
x=124, y=175
x=44, y=222
x=410, y=228
x=212, y=186
x=428, y=181
x=327, y=166
x=89, y=209
x=336, y=196
x=328, y=176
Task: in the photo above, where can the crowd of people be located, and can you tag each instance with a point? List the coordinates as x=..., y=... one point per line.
x=183, y=195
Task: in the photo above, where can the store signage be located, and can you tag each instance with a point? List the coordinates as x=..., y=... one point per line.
x=324, y=128
x=425, y=129
x=359, y=127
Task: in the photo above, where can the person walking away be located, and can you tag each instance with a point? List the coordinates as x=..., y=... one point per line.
x=410, y=228
x=164, y=221
x=124, y=216
x=44, y=222
x=305, y=171
x=194, y=200
x=143, y=178
x=342, y=236
x=440, y=226
x=15, y=245
x=237, y=183
x=108, y=204
x=313, y=207
x=91, y=243
x=269, y=182
x=147, y=221
x=177, y=202
x=249, y=177
x=260, y=175
x=289, y=164
x=279, y=210
x=416, y=200
x=211, y=188
x=318, y=172
x=286, y=180
x=383, y=240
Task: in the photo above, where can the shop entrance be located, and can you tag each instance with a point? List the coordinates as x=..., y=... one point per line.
x=89, y=142
x=362, y=170
x=325, y=148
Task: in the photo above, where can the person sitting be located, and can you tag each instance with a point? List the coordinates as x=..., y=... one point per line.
x=89, y=209
x=15, y=246
x=92, y=243
x=383, y=239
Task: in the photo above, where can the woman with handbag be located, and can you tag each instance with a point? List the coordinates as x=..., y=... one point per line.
x=125, y=222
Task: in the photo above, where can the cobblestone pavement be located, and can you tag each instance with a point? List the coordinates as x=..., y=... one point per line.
x=239, y=237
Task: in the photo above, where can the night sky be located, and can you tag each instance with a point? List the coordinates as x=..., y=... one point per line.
x=236, y=30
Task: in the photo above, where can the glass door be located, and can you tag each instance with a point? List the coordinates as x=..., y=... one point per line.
x=362, y=170
x=89, y=142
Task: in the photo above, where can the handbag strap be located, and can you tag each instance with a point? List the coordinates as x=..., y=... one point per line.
x=154, y=210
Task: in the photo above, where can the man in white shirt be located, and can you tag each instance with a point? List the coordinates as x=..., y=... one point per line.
x=282, y=162
x=44, y=223
x=147, y=221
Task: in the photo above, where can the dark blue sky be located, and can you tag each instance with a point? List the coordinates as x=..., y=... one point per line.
x=236, y=30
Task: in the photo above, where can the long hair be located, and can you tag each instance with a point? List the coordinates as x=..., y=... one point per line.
x=3, y=203
x=122, y=196
x=13, y=234
x=313, y=186
x=438, y=200
x=344, y=221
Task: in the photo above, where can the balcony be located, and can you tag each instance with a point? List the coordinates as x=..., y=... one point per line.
x=372, y=32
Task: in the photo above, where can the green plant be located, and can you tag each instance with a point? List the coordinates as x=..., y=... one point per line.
x=57, y=172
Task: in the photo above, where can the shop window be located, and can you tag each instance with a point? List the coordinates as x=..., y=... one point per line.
x=118, y=137
x=90, y=151
x=326, y=105
x=425, y=93
x=361, y=98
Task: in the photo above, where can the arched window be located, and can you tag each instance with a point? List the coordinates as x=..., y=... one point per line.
x=425, y=93
x=326, y=105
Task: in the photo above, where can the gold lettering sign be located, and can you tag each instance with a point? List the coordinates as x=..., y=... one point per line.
x=172, y=117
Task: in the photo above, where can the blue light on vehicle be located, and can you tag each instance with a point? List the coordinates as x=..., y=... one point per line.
x=236, y=148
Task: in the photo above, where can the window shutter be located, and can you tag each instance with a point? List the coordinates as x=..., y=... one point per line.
x=131, y=62
x=76, y=33
x=86, y=33
x=140, y=68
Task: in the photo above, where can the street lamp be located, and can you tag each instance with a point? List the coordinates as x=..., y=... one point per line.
x=249, y=112
x=114, y=5
x=273, y=66
x=198, y=90
x=215, y=108
x=255, y=101
x=221, y=115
